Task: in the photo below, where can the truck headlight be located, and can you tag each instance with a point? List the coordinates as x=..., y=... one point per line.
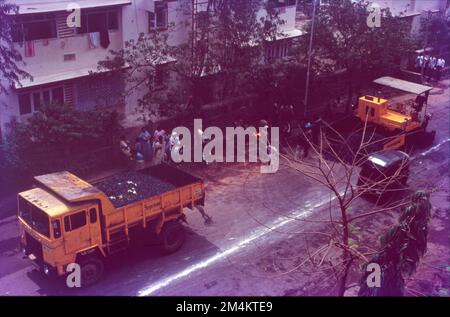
x=46, y=270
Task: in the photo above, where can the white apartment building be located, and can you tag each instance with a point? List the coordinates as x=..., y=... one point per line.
x=60, y=58
x=414, y=10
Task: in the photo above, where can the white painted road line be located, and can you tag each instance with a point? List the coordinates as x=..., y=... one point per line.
x=277, y=224
x=432, y=149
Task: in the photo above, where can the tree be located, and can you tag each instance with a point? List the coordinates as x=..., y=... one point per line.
x=278, y=83
x=53, y=135
x=218, y=60
x=137, y=65
x=225, y=47
x=343, y=248
x=434, y=31
x=400, y=249
x=9, y=56
x=343, y=40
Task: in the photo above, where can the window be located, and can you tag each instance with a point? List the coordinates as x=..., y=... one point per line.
x=30, y=102
x=98, y=20
x=99, y=92
x=24, y=104
x=34, y=27
x=159, y=18
x=46, y=97
x=36, y=101
x=277, y=50
x=75, y=221
x=160, y=76
x=113, y=20
x=56, y=229
x=58, y=95
x=34, y=217
x=93, y=215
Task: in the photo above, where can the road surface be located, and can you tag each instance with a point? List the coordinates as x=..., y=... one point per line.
x=248, y=249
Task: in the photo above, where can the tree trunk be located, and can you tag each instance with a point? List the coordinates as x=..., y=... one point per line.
x=346, y=256
x=350, y=93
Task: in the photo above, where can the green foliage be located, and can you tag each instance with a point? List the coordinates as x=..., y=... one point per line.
x=402, y=246
x=342, y=35
x=221, y=55
x=215, y=63
x=56, y=133
x=9, y=56
x=438, y=34
x=343, y=40
x=279, y=83
x=137, y=65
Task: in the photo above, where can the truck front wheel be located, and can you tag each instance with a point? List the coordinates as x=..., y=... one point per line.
x=92, y=268
x=172, y=237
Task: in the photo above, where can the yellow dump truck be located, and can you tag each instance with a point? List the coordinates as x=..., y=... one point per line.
x=65, y=219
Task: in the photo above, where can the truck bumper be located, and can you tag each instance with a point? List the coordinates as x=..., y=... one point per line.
x=39, y=264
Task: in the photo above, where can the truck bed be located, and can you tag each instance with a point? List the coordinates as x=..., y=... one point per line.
x=133, y=186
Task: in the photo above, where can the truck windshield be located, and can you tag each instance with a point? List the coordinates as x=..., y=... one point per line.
x=34, y=217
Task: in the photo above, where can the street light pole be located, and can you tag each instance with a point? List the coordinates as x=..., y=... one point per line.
x=308, y=71
x=425, y=44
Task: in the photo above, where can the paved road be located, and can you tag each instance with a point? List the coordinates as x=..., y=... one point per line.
x=255, y=216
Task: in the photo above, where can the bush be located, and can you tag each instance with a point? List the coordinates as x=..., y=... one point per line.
x=55, y=138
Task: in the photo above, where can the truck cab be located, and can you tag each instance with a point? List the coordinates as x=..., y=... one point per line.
x=54, y=232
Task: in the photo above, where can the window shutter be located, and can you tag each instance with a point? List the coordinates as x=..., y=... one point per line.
x=62, y=29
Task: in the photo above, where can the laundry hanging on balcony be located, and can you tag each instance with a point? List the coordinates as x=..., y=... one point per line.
x=104, y=38
x=94, y=40
x=29, y=48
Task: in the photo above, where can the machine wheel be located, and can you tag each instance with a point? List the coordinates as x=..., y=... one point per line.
x=92, y=269
x=172, y=237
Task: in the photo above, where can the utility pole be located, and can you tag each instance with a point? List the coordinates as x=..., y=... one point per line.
x=308, y=71
x=425, y=44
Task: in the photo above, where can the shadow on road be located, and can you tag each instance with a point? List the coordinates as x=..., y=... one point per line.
x=127, y=273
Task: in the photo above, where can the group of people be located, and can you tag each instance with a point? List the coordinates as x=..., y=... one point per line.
x=432, y=66
x=150, y=145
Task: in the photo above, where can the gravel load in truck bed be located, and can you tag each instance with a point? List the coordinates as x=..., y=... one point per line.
x=126, y=188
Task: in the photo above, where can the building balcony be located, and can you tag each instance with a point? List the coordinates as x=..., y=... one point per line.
x=61, y=55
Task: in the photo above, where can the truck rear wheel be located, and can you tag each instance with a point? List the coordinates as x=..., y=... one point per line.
x=92, y=268
x=172, y=237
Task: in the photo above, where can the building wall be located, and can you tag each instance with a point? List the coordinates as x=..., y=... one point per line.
x=48, y=60
x=398, y=7
x=133, y=20
x=412, y=10
x=49, y=54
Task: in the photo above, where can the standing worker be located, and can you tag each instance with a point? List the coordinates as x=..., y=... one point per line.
x=440, y=64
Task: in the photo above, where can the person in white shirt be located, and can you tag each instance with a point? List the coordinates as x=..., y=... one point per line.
x=431, y=67
x=440, y=64
x=419, y=62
